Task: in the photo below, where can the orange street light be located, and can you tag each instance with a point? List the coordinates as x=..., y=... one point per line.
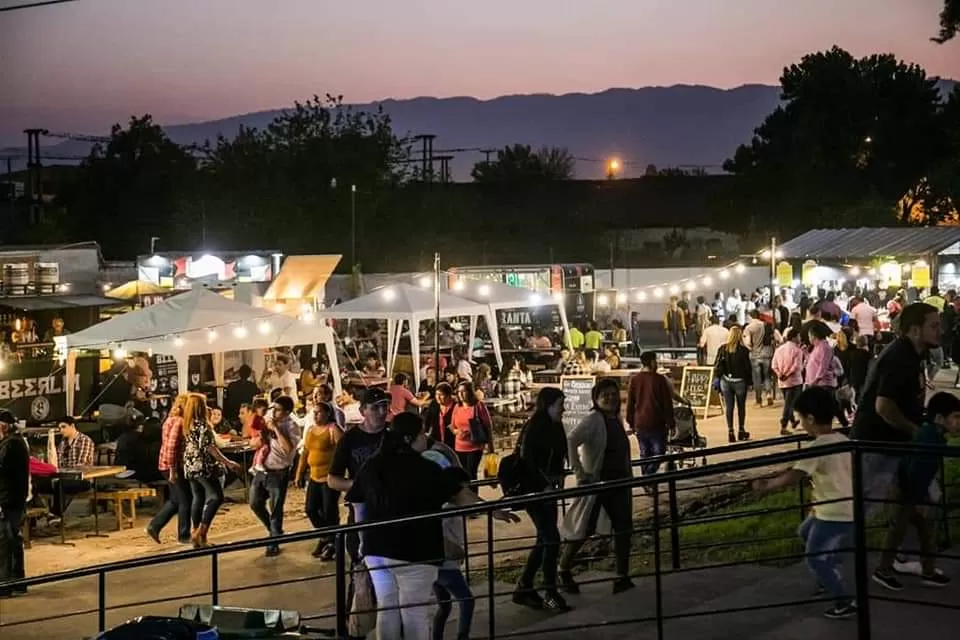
x=613, y=167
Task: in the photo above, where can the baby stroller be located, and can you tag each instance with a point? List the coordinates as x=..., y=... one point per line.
x=685, y=436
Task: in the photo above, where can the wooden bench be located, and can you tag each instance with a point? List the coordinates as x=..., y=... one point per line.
x=119, y=497
x=29, y=517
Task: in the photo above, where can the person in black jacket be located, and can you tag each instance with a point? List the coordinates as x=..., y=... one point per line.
x=14, y=488
x=735, y=374
x=543, y=447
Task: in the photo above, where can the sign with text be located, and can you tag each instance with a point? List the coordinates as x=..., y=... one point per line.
x=577, y=399
x=696, y=385
x=35, y=390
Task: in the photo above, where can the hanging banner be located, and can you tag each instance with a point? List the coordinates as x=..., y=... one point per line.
x=808, y=273
x=784, y=274
x=920, y=276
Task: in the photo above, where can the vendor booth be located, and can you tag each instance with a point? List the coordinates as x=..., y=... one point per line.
x=402, y=302
x=194, y=323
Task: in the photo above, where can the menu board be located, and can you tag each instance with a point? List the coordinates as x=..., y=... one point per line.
x=163, y=385
x=577, y=399
x=697, y=387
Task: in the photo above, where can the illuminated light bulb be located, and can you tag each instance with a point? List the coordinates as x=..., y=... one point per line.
x=211, y=335
x=279, y=307
x=558, y=296
x=389, y=294
x=535, y=298
x=621, y=298
x=707, y=281
x=178, y=342
x=264, y=327
x=119, y=353
x=739, y=268
x=426, y=281
x=854, y=271
x=106, y=288
x=641, y=296
x=240, y=332
x=458, y=285
x=308, y=318
x=724, y=274
x=484, y=290
x=603, y=300
x=674, y=290
x=658, y=292
x=690, y=286
x=765, y=254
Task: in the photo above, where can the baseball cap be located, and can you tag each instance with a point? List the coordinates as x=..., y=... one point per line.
x=375, y=395
x=7, y=417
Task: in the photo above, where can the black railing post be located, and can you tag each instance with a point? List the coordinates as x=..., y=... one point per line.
x=102, y=600
x=491, y=618
x=674, y=524
x=656, y=560
x=466, y=551
x=214, y=579
x=802, y=487
x=861, y=579
x=341, y=568
x=944, y=509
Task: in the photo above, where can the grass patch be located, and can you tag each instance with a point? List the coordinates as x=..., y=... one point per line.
x=761, y=538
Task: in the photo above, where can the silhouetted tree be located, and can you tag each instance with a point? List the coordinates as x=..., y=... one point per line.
x=520, y=164
x=949, y=21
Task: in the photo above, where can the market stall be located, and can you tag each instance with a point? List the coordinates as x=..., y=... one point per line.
x=402, y=302
x=196, y=322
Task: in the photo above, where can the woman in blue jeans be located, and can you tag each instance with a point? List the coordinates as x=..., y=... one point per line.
x=543, y=447
x=734, y=372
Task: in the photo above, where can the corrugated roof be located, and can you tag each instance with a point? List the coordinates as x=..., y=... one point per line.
x=867, y=242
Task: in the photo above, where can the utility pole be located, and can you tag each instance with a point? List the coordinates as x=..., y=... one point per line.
x=437, y=372
x=353, y=226
x=445, y=176
x=486, y=154
x=35, y=188
x=773, y=264
x=426, y=156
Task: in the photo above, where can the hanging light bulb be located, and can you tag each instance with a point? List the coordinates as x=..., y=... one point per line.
x=707, y=281
x=484, y=290
x=425, y=281
x=641, y=296
x=264, y=327
x=211, y=335
x=308, y=317
x=690, y=286
x=603, y=300
x=739, y=268
x=724, y=274
x=458, y=285
x=674, y=290
x=621, y=298
x=240, y=332
x=389, y=294
x=178, y=342
x=658, y=292
x=119, y=353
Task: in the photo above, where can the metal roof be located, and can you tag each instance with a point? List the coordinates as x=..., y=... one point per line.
x=867, y=242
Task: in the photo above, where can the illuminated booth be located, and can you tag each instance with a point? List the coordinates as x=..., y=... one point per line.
x=871, y=258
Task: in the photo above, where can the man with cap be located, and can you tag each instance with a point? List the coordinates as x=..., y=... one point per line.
x=14, y=488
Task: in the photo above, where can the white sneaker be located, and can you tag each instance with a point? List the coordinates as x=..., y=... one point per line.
x=911, y=568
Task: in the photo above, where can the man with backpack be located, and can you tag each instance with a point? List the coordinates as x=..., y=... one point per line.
x=759, y=337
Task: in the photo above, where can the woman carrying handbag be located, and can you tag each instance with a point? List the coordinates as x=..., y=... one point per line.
x=473, y=427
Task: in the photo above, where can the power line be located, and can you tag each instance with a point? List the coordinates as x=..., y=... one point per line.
x=34, y=5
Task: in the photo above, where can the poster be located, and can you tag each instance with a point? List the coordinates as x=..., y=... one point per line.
x=784, y=275
x=808, y=273
x=920, y=275
x=163, y=385
x=577, y=399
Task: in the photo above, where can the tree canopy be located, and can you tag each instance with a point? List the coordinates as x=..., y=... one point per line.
x=519, y=164
x=949, y=21
x=849, y=129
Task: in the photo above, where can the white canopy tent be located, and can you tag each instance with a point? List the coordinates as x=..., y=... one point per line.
x=499, y=295
x=403, y=302
x=196, y=322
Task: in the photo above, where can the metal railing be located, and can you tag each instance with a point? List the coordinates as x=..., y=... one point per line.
x=670, y=524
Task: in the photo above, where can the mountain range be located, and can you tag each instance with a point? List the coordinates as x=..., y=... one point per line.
x=681, y=125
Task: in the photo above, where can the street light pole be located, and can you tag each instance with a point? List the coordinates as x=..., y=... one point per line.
x=436, y=319
x=353, y=225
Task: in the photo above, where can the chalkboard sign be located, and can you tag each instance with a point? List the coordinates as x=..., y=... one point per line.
x=697, y=387
x=577, y=399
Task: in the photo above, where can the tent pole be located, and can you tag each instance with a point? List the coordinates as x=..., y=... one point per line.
x=437, y=372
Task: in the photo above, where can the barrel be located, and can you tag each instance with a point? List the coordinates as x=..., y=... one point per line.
x=46, y=275
x=16, y=277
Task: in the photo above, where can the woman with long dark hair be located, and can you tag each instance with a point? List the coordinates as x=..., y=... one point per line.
x=599, y=451
x=470, y=419
x=404, y=559
x=543, y=448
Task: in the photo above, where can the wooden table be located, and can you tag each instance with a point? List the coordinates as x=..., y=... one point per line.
x=85, y=473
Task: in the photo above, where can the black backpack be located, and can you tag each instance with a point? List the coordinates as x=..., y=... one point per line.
x=516, y=476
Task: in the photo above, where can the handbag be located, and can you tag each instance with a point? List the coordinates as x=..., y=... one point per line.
x=516, y=476
x=363, y=609
x=479, y=435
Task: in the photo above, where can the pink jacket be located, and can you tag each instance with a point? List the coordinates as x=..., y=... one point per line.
x=820, y=371
x=787, y=363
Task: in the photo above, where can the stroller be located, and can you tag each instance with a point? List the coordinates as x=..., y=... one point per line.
x=685, y=436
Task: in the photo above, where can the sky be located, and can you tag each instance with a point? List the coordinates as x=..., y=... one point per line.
x=184, y=60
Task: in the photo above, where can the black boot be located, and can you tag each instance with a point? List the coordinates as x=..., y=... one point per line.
x=731, y=436
x=743, y=435
x=527, y=596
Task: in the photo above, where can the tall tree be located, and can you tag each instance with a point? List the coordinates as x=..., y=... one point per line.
x=847, y=128
x=949, y=21
x=127, y=189
x=520, y=164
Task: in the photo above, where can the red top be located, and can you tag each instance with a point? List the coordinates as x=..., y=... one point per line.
x=41, y=469
x=400, y=397
x=171, y=443
x=649, y=403
x=257, y=425
x=461, y=426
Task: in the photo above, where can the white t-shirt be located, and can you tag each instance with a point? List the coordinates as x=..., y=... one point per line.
x=864, y=314
x=287, y=381
x=714, y=337
x=832, y=479
x=464, y=370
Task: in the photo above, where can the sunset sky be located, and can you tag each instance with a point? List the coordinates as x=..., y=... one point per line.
x=190, y=59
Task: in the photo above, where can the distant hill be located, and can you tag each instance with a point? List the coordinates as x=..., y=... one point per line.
x=664, y=126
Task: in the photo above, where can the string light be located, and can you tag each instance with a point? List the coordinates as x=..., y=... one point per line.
x=641, y=296
x=724, y=274
x=178, y=342
x=621, y=298
x=658, y=292
x=211, y=335
x=425, y=281
x=264, y=327
x=458, y=285
x=484, y=289
x=707, y=281
x=674, y=290
x=558, y=296
x=603, y=300
x=389, y=294
x=240, y=332
x=119, y=353
x=739, y=268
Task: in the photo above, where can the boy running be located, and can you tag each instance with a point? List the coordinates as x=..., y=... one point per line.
x=829, y=528
x=915, y=475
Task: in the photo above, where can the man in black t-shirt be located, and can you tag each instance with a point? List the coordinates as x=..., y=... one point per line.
x=894, y=395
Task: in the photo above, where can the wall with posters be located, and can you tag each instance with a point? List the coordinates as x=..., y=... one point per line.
x=35, y=390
